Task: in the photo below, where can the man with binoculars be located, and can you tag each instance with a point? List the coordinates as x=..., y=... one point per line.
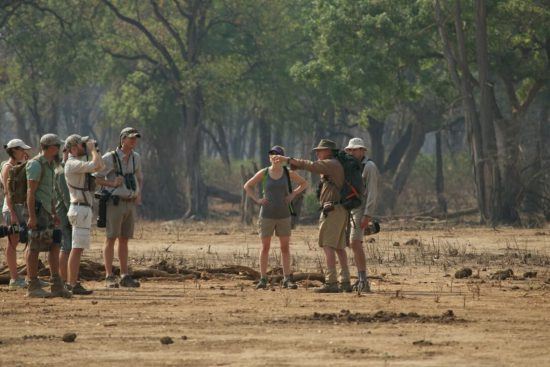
x=78, y=170
x=121, y=182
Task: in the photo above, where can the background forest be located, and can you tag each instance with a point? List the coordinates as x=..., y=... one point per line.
x=451, y=96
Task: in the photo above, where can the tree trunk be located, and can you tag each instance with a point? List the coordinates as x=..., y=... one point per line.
x=264, y=134
x=399, y=149
x=197, y=204
x=376, y=133
x=439, y=178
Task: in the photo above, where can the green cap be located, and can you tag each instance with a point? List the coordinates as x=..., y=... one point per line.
x=50, y=139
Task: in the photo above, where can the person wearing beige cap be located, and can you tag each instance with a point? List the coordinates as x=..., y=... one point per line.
x=13, y=214
x=78, y=170
x=334, y=217
x=43, y=220
x=123, y=180
x=363, y=215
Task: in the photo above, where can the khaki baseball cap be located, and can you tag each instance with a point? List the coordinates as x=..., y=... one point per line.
x=72, y=141
x=16, y=143
x=130, y=132
x=50, y=140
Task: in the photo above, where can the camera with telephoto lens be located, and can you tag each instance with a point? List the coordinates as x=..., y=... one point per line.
x=20, y=229
x=103, y=196
x=372, y=228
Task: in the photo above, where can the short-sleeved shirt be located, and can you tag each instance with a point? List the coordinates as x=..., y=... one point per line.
x=76, y=169
x=121, y=167
x=62, y=196
x=45, y=193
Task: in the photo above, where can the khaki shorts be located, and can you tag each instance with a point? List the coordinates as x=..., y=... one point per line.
x=356, y=233
x=20, y=211
x=41, y=238
x=281, y=227
x=120, y=219
x=332, y=228
x=80, y=218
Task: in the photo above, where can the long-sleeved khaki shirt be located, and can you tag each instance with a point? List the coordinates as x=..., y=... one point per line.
x=371, y=176
x=332, y=173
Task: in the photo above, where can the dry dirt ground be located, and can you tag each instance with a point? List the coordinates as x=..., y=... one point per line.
x=220, y=320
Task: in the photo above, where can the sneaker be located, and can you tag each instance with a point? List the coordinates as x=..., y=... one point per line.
x=262, y=284
x=18, y=283
x=43, y=283
x=34, y=290
x=346, y=287
x=80, y=290
x=111, y=281
x=289, y=284
x=362, y=286
x=129, y=282
x=328, y=288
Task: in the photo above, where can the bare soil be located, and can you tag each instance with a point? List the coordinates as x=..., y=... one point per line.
x=419, y=314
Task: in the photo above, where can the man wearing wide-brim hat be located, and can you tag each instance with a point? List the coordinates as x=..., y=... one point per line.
x=334, y=217
x=362, y=216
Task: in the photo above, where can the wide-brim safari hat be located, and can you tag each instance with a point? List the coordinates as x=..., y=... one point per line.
x=326, y=144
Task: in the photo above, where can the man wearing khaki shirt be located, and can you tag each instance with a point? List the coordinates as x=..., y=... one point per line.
x=363, y=215
x=123, y=179
x=78, y=170
x=334, y=217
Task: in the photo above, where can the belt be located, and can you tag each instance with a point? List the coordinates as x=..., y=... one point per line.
x=81, y=204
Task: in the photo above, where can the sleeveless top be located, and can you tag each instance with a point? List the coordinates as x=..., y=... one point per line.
x=275, y=191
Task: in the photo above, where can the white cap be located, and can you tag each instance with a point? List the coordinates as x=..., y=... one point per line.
x=356, y=143
x=16, y=143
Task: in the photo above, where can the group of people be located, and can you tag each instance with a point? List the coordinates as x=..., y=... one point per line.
x=276, y=211
x=51, y=199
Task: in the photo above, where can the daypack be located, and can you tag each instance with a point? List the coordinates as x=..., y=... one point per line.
x=17, y=181
x=351, y=194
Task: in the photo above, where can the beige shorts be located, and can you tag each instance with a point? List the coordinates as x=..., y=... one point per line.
x=356, y=233
x=281, y=227
x=80, y=218
x=332, y=228
x=120, y=219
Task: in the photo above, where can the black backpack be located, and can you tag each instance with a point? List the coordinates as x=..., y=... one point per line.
x=351, y=194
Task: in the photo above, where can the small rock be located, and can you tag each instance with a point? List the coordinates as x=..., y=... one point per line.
x=463, y=273
x=69, y=337
x=530, y=274
x=110, y=323
x=184, y=337
x=94, y=302
x=166, y=340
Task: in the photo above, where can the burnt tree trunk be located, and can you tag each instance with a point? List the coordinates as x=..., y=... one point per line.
x=264, y=135
x=376, y=133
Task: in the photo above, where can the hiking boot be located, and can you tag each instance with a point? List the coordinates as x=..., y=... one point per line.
x=18, y=283
x=80, y=290
x=43, y=283
x=362, y=286
x=262, y=284
x=34, y=290
x=58, y=288
x=288, y=283
x=328, y=288
x=346, y=287
x=129, y=282
x=111, y=281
